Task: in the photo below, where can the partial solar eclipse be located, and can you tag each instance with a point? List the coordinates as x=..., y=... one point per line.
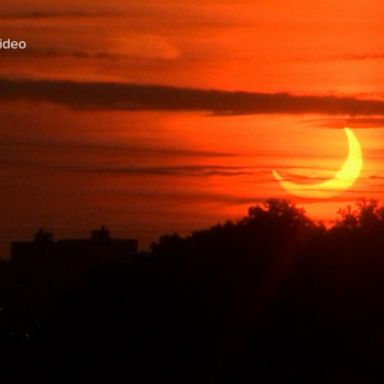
x=342, y=180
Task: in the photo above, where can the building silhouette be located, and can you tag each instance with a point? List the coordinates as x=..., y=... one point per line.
x=99, y=247
x=44, y=268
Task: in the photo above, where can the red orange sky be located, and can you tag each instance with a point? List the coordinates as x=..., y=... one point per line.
x=81, y=146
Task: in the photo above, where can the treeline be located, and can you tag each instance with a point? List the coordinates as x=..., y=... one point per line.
x=273, y=297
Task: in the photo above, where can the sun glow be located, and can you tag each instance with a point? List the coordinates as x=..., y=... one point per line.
x=342, y=180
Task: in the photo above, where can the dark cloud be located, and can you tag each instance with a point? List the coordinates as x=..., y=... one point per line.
x=57, y=53
x=306, y=179
x=188, y=170
x=180, y=15
x=50, y=15
x=365, y=56
x=122, y=96
x=190, y=197
x=355, y=122
x=343, y=57
x=182, y=170
x=9, y=186
x=110, y=149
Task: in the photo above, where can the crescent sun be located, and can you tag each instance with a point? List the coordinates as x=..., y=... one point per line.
x=342, y=180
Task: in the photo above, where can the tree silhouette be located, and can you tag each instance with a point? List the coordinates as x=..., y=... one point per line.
x=365, y=214
x=272, y=297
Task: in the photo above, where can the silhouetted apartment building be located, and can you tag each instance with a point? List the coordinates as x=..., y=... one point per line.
x=47, y=267
x=99, y=247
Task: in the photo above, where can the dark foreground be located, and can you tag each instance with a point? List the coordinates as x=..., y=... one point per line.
x=272, y=298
